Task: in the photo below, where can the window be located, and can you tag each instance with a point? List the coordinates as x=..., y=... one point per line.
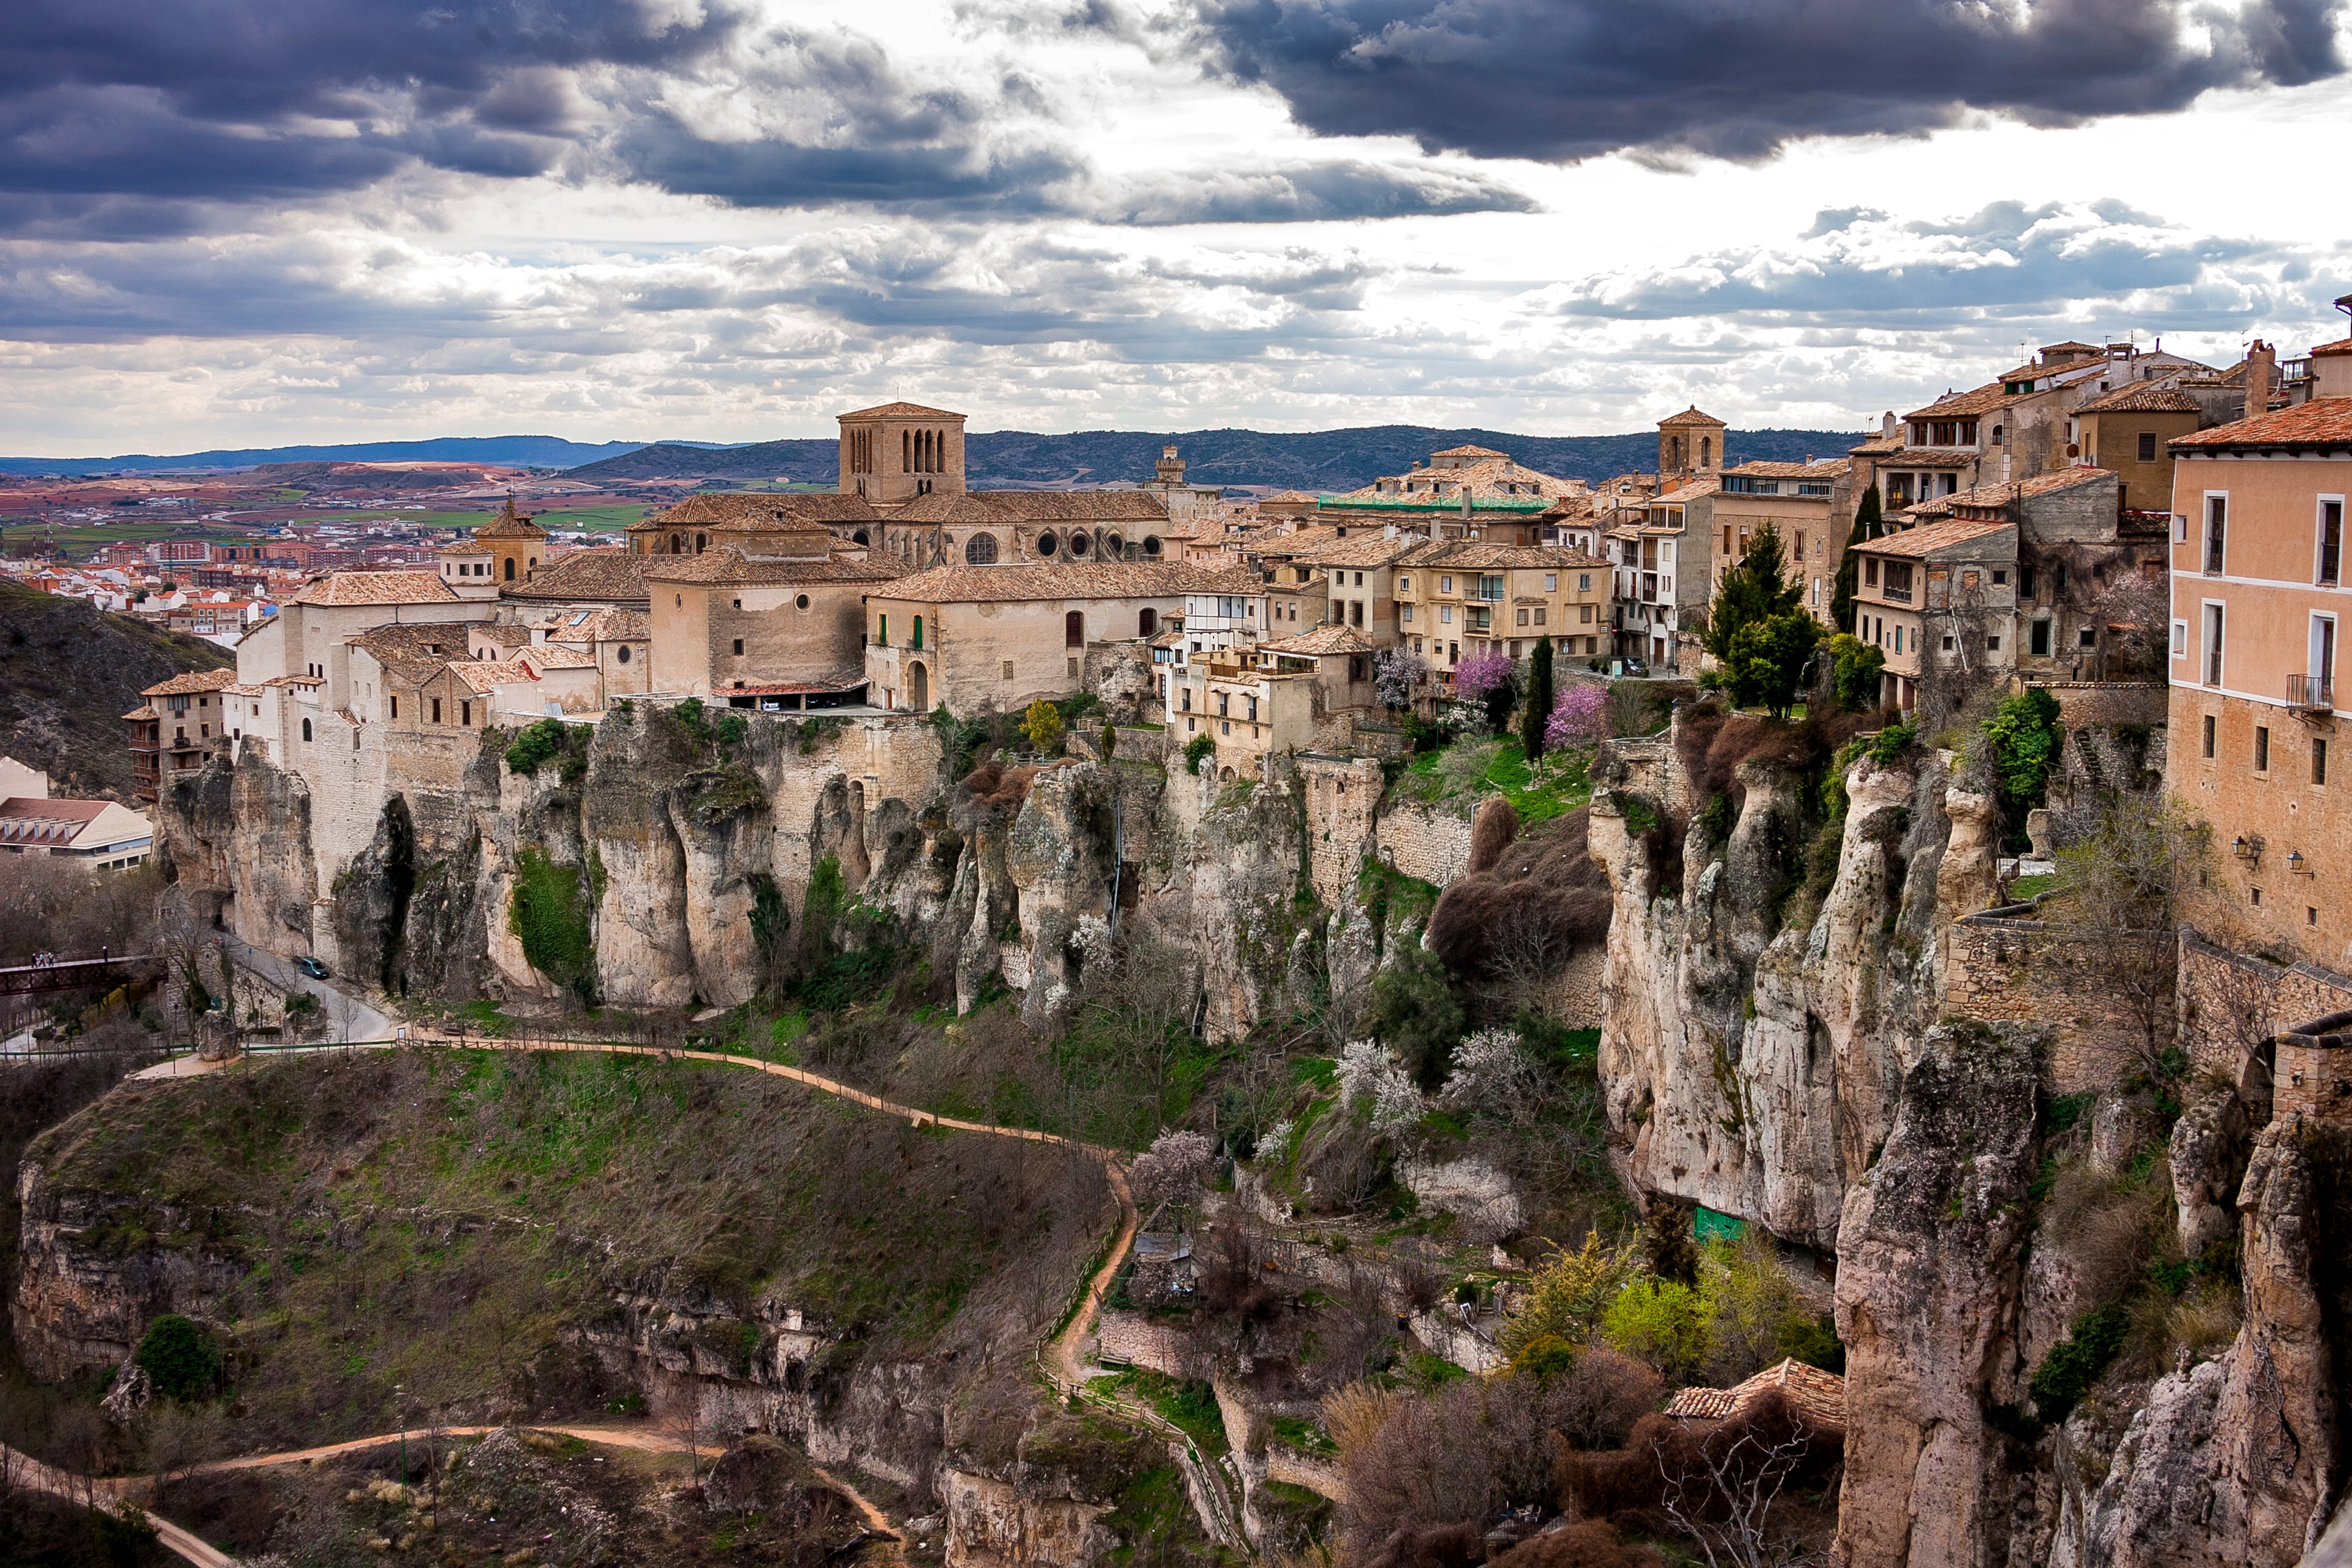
x=2038, y=643
x=882, y=631
x=1445, y=584
x=2257, y=893
x=1870, y=570
x=2319, y=760
x=395, y=704
x=1584, y=582
x=436, y=709
x=1359, y=579
x=2025, y=581
x=465, y=714
x=1355, y=611
x=1551, y=582
x=2262, y=748
x=1253, y=708
x=2088, y=638
x=1406, y=615
x=2001, y=577
x=2180, y=639
x=1539, y=615
x=2147, y=446
x=2217, y=521
x=2212, y=645
x=1338, y=614
x=1007, y=669
x=1523, y=618
x=739, y=645
x=1898, y=582
x=1992, y=644
x=1948, y=642
x=2209, y=726
x=1223, y=704
x=1404, y=585
x=620, y=655
x=1445, y=615
x=2331, y=540
x=306, y=729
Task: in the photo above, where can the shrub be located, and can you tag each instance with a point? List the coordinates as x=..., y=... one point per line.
x=1765, y=663
x=1856, y=672
x=549, y=913
x=2024, y=736
x=1197, y=750
x=1571, y=1294
x=535, y=744
x=1661, y=1323
x=2067, y=1372
x=1580, y=719
x=1414, y=1012
x=1043, y=725
x=180, y=1358
x=1492, y=679
x=1397, y=674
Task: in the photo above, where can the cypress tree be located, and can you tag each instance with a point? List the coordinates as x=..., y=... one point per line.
x=1539, y=701
x=1751, y=591
x=1867, y=520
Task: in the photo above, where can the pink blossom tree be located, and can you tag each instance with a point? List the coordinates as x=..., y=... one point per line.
x=1580, y=718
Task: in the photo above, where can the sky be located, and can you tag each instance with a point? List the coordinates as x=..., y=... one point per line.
x=261, y=222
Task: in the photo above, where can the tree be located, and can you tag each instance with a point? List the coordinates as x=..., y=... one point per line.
x=2023, y=736
x=1490, y=677
x=1538, y=715
x=1857, y=669
x=1752, y=592
x=1414, y=1012
x=1764, y=664
x=1580, y=718
x=1396, y=676
x=1043, y=725
x=1571, y=1294
x=1867, y=522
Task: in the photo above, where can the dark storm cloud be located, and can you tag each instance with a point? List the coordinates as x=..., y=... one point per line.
x=1566, y=79
x=121, y=120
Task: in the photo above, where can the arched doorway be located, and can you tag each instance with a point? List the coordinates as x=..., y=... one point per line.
x=1147, y=622
x=918, y=687
x=1074, y=629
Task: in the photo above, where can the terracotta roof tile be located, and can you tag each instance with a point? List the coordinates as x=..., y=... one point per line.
x=1959, y=404
x=487, y=674
x=2142, y=397
x=1359, y=550
x=1469, y=452
x=2324, y=422
x=1914, y=543
x=2064, y=479
x=753, y=509
x=1121, y=580
x=1931, y=457
x=555, y=656
x=1817, y=1394
x=1822, y=468
x=1466, y=556
x=347, y=588
x=1324, y=640
x=732, y=566
x=600, y=626
x=605, y=573
x=192, y=683
x=899, y=411
x=1691, y=417
x=2324, y=351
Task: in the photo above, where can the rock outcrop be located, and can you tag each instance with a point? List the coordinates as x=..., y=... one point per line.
x=1930, y=1254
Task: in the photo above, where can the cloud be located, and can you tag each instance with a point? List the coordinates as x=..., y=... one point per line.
x=122, y=121
x=1859, y=268
x=1568, y=80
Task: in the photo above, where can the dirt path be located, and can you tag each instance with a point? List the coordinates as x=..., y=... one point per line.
x=1060, y=1356
x=24, y=1470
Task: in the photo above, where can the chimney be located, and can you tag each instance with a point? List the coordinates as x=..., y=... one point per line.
x=1886, y=426
x=2262, y=374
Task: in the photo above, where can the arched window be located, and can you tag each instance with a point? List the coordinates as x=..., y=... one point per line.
x=1705, y=449
x=622, y=657
x=1147, y=622
x=701, y=542
x=1996, y=434
x=860, y=537
x=980, y=549
x=1151, y=545
x=510, y=568
x=1074, y=629
x=678, y=544
x=1115, y=544
x=906, y=451
x=306, y=730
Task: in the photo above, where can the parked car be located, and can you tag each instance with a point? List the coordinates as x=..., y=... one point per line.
x=311, y=967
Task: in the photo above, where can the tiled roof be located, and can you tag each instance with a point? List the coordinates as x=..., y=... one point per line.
x=1691, y=491
x=1469, y=452
x=1122, y=579
x=1914, y=543
x=413, y=653
x=1323, y=641
x=2324, y=422
x=753, y=509
x=142, y=714
x=1980, y=400
x=1931, y=457
x=194, y=682
x=487, y=674
x=2142, y=397
x=2080, y=357
x=1297, y=542
x=899, y=411
x=605, y=573
x=461, y=547
x=731, y=565
x=509, y=524
x=2340, y=346
x=2064, y=479
x=555, y=656
x=1819, y=1396
x=844, y=680
x=1878, y=445
x=504, y=634
x=1362, y=549
x=1823, y=468
x=1288, y=498
x=1464, y=555
x=1491, y=477
x=347, y=588
x=1691, y=417
x=981, y=509
x=600, y=626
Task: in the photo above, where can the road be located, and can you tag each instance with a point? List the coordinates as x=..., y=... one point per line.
x=348, y=1017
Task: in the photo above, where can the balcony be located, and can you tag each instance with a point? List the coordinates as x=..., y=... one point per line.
x=2311, y=693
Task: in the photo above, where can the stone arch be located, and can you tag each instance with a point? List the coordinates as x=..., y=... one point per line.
x=701, y=543
x=1147, y=622
x=1151, y=545
x=980, y=549
x=1224, y=775
x=1074, y=629
x=861, y=537
x=918, y=686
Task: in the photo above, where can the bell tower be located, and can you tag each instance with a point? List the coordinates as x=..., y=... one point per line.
x=895, y=452
x=1690, y=444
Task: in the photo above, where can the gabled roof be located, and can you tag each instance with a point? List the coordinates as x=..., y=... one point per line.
x=509, y=524
x=1818, y=1395
x=1985, y=399
x=899, y=411
x=600, y=626
x=2325, y=351
x=1469, y=452
x=1900, y=456
x=605, y=573
x=1324, y=641
x=2324, y=422
x=1469, y=556
x=1099, y=580
x=348, y=589
x=489, y=673
x=724, y=510
x=414, y=654
x=192, y=683
x=554, y=655
x=1821, y=468
x=2040, y=485
x=730, y=565
x=1917, y=544
x=1362, y=549
x=2142, y=397
x=1000, y=509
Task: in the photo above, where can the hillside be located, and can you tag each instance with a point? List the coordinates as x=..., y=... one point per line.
x=69, y=672
x=519, y=451
x=1308, y=460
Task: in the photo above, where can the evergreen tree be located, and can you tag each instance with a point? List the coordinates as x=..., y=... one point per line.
x=1539, y=701
x=1867, y=522
x=1752, y=593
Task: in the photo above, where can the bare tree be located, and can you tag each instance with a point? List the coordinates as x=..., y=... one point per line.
x=1721, y=1490
x=2128, y=885
x=2130, y=616
x=683, y=1424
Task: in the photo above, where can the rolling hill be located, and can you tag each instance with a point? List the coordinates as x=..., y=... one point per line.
x=1308, y=460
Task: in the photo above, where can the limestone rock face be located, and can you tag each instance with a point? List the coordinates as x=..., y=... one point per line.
x=1060, y=855
x=1971, y=878
x=1752, y=1069
x=241, y=834
x=1930, y=1253
x=2208, y=1153
x=990, y=1525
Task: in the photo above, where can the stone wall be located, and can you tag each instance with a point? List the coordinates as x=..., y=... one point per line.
x=1999, y=970
x=2103, y=702
x=1136, y=1338
x=2232, y=1003
x=1342, y=799
x=1426, y=841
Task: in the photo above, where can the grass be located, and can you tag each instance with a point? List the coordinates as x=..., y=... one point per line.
x=1469, y=769
x=2025, y=888
x=1189, y=1406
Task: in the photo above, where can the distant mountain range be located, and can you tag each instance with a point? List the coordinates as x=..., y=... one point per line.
x=1313, y=460
x=512, y=451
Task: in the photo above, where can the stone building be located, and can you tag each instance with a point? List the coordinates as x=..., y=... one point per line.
x=1807, y=503
x=174, y=730
x=986, y=528
x=516, y=545
x=1458, y=597
x=1464, y=492
x=1951, y=581
x=753, y=522
x=2129, y=431
x=2258, y=593
x=1690, y=444
x=780, y=631
x=892, y=453
x=1001, y=637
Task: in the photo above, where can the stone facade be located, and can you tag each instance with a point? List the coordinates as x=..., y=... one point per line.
x=1426, y=841
x=1343, y=820
x=2024, y=972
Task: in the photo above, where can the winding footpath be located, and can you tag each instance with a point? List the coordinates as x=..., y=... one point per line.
x=1058, y=1356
